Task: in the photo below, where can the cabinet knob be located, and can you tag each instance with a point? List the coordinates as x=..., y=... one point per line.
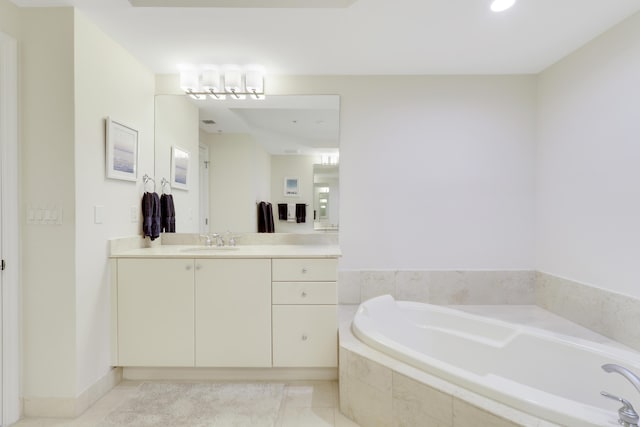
x=304, y=270
x=188, y=267
x=304, y=337
x=198, y=267
x=303, y=294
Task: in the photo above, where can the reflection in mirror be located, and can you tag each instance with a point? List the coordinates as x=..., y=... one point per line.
x=326, y=196
x=248, y=147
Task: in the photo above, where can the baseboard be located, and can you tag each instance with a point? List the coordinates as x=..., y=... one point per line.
x=62, y=407
x=230, y=374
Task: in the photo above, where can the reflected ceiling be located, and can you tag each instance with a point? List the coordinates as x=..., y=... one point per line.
x=281, y=124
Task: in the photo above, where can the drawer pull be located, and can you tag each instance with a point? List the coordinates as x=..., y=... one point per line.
x=304, y=271
x=303, y=294
x=304, y=337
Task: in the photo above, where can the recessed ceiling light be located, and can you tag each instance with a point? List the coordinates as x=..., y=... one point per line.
x=501, y=5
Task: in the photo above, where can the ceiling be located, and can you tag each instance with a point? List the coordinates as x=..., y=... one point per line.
x=361, y=37
x=341, y=37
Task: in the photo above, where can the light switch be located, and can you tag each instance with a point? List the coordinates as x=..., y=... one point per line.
x=98, y=214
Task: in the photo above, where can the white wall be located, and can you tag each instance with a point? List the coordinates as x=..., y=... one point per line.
x=177, y=125
x=48, y=178
x=437, y=173
x=108, y=82
x=9, y=18
x=300, y=167
x=239, y=176
x=588, y=170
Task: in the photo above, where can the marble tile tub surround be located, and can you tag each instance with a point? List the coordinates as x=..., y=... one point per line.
x=378, y=391
x=439, y=287
x=608, y=313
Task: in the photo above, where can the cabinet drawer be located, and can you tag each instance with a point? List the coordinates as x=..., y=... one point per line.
x=304, y=293
x=304, y=270
x=305, y=336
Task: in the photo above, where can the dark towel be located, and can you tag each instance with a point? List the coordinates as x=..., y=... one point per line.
x=282, y=211
x=167, y=214
x=301, y=212
x=265, y=218
x=151, y=215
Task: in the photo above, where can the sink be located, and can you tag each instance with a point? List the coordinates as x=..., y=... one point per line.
x=211, y=248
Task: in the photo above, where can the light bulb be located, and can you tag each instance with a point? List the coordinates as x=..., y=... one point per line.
x=501, y=5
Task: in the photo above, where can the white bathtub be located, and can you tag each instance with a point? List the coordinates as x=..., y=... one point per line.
x=550, y=376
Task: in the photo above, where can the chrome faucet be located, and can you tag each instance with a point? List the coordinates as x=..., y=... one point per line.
x=207, y=240
x=628, y=416
x=219, y=239
x=633, y=378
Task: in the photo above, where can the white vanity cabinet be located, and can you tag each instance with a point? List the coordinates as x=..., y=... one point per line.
x=155, y=312
x=233, y=312
x=220, y=311
x=305, y=320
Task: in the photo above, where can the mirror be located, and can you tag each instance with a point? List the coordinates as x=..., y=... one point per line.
x=243, y=151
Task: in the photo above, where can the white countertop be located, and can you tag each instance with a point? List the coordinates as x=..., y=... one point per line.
x=241, y=251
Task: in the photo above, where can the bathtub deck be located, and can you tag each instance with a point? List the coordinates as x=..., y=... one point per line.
x=530, y=315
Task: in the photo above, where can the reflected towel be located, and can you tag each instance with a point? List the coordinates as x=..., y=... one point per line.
x=167, y=214
x=151, y=215
x=265, y=218
x=282, y=211
x=301, y=212
x=291, y=212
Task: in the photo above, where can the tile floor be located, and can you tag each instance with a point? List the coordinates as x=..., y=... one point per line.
x=305, y=404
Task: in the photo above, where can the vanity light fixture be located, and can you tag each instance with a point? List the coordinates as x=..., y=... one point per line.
x=501, y=5
x=233, y=82
x=189, y=83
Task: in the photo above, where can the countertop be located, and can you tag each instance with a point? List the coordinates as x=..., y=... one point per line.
x=241, y=251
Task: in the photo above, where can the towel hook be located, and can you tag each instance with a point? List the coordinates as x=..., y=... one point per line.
x=163, y=183
x=146, y=178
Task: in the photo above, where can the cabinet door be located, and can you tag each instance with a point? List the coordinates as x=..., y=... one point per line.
x=155, y=312
x=305, y=336
x=233, y=312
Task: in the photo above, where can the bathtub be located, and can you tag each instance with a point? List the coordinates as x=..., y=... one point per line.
x=550, y=376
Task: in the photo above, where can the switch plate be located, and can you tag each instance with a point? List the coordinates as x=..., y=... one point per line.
x=98, y=214
x=50, y=215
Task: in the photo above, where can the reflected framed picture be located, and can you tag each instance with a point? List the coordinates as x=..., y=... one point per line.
x=121, y=151
x=291, y=187
x=179, y=168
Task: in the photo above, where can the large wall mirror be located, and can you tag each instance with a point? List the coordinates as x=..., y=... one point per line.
x=242, y=152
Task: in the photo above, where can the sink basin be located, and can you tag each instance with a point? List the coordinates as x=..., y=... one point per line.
x=211, y=248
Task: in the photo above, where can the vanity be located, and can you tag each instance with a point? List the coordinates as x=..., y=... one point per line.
x=249, y=306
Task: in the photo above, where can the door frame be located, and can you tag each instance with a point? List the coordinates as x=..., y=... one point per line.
x=10, y=245
x=204, y=188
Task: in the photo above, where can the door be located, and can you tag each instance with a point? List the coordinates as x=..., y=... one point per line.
x=155, y=312
x=9, y=248
x=233, y=313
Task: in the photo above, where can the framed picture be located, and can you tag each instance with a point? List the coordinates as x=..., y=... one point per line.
x=291, y=187
x=122, y=151
x=179, y=168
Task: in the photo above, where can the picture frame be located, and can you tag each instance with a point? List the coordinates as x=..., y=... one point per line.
x=179, y=168
x=291, y=187
x=121, y=151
